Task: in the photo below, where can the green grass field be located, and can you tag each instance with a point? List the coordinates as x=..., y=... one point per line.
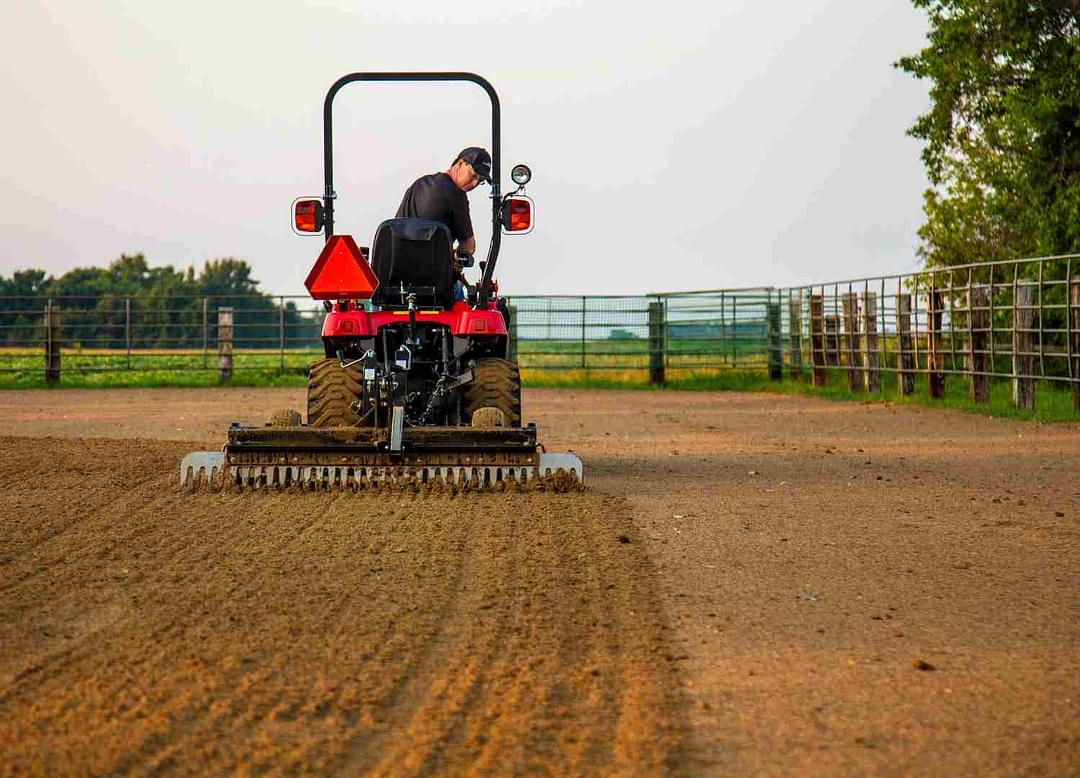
x=1053, y=400
x=21, y=368
x=103, y=367
x=609, y=365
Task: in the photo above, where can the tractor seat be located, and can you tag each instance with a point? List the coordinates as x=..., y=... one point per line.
x=414, y=255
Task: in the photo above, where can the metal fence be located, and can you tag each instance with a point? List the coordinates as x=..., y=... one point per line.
x=1016, y=320
x=110, y=333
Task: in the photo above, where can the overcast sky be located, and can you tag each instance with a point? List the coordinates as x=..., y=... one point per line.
x=680, y=145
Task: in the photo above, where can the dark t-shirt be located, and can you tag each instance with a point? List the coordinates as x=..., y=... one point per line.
x=437, y=197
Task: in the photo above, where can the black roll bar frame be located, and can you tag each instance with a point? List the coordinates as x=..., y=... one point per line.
x=496, y=194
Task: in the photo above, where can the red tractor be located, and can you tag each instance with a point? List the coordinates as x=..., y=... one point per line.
x=414, y=384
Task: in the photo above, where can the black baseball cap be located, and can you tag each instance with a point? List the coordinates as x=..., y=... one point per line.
x=479, y=160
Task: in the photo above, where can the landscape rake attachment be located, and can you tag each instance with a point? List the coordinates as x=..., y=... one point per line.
x=356, y=459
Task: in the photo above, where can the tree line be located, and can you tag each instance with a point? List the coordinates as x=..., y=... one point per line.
x=166, y=305
x=1002, y=144
x=1002, y=134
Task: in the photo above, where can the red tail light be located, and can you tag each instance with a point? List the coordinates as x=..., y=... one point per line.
x=517, y=215
x=308, y=215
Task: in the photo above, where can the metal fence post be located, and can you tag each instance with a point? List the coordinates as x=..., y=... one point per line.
x=832, y=340
x=795, y=324
x=225, y=344
x=511, y=333
x=734, y=332
x=993, y=338
x=205, y=336
x=776, y=347
x=657, y=343
x=583, y=300
x=884, y=327
x=53, y=340
x=817, y=339
x=851, y=332
x=949, y=303
x=873, y=357
x=281, y=332
x=935, y=358
x=1023, y=320
x=978, y=356
x=1074, y=305
x=906, y=356
x=127, y=329
x=723, y=331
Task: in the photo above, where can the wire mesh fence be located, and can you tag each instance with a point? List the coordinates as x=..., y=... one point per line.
x=106, y=333
x=680, y=331
x=1018, y=320
x=1015, y=320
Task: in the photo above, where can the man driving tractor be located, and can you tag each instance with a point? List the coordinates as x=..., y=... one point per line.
x=442, y=197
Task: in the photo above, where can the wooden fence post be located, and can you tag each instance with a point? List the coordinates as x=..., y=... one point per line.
x=225, y=344
x=795, y=323
x=935, y=356
x=657, y=343
x=978, y=355
x=1075, y=335
x=776, y=343
x=873, y=355
x=832, y=341
x=906, y=372
x=852, y=342
x=53, y=342
x=1022, y=362
x=511, y=333
x=817, y=339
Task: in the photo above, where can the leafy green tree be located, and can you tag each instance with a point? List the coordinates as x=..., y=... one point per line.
x=25, y=283
x=227, y=276
x=166, y=305
x=21, y=298
x=1003, y=129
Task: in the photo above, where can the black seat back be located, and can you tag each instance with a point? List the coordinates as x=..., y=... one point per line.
x=416, y=254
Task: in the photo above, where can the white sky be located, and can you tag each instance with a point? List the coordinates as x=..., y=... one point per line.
x=680, y=145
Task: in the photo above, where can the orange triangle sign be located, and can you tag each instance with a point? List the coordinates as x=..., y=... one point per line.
x=341, y=272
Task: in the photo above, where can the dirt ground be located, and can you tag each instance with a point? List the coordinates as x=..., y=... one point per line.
x=745, y=587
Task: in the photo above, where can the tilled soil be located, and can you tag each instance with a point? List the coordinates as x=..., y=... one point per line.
x=746, y=586
x=148, y=630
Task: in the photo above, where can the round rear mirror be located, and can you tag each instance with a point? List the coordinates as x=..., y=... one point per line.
x=521, y=174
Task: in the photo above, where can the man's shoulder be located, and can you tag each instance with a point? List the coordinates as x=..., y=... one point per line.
x=439, y=188
x=434, y=181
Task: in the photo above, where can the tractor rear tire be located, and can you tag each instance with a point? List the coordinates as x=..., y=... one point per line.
x=496, y=384
x=332, y=393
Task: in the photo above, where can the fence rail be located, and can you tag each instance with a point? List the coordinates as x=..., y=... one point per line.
x=1013, y=320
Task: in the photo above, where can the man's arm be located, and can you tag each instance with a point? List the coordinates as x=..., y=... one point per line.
x=461, y=224
x=467, y=246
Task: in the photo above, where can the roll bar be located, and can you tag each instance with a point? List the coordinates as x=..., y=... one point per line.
x=496, y=194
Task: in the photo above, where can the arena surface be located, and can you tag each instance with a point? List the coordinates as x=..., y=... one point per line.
x=746, y=587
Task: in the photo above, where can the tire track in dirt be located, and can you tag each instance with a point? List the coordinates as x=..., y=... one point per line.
x=149, y=630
